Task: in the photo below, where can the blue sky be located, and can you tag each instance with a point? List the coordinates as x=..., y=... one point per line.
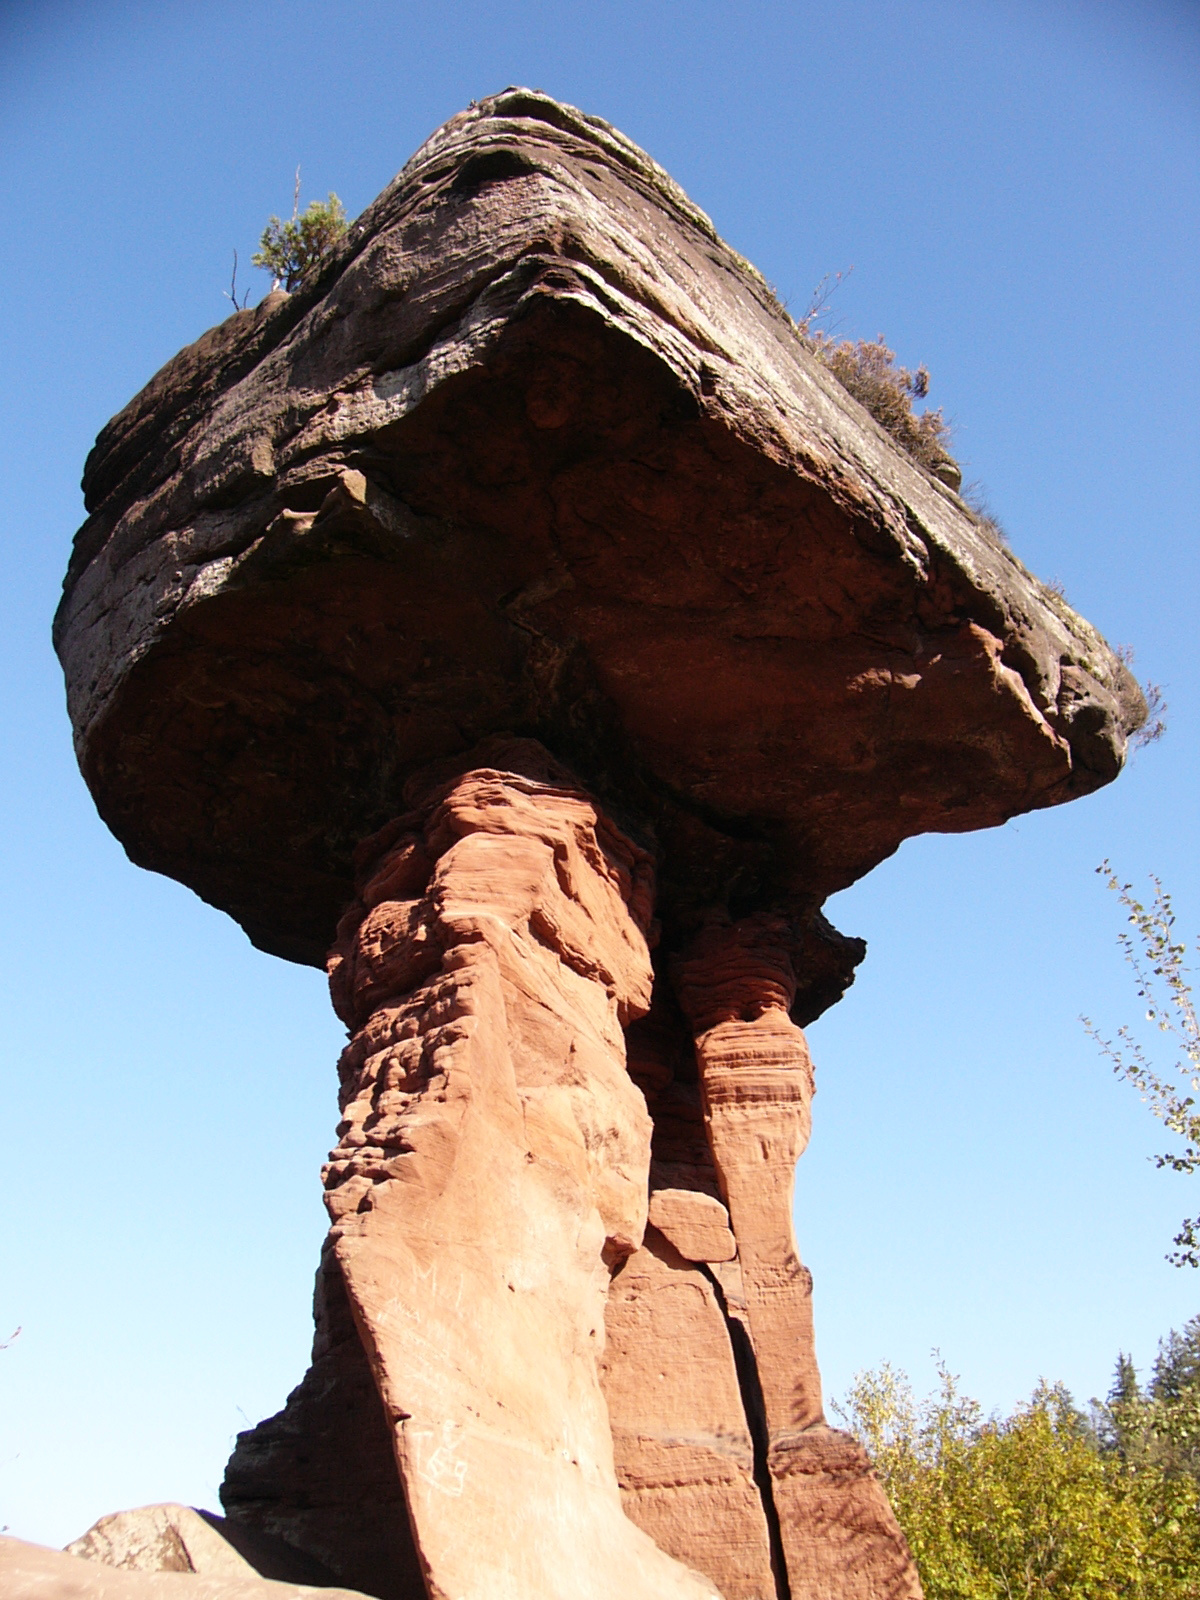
x=1015, y=186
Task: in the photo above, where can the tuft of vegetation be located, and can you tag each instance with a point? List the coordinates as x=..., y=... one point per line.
x=974, y=495
x=1155, y=724
x=867, y=369
x=290, y=251
x=1046, y=1502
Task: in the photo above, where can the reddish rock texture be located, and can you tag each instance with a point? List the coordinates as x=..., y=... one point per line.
x=537, y=451
x=496, y=1169
x=682, y=1440
x=737, y=986
x=493, y=1168
x=322, y=1474
x=535, y=470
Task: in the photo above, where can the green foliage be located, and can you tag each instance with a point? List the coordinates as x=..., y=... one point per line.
x=1162, y=984
x=1160, y=1424
x=1034, y=1505
x=290, y=250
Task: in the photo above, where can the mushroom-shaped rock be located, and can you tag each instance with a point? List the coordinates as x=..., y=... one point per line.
x=537, y=452
x=517, y=599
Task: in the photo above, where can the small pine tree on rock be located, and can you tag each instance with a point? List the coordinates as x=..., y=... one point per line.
x=290, y=250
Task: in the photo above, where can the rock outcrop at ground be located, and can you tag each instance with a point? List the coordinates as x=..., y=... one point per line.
x=176, y=1538
x=156, y=1567
x=521, y=619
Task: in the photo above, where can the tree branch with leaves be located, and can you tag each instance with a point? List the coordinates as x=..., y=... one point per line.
x=290, y=250
x=1156, y=958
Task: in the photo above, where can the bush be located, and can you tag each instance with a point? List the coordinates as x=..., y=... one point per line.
x=1033, y=1505
x=290, y=250
x=867, y=369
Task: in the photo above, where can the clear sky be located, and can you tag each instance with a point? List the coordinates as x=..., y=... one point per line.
x=1015, y=186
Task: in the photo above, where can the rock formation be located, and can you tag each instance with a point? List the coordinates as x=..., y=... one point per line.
x=157, y=1572
x=175, y=1538
x=520, y=619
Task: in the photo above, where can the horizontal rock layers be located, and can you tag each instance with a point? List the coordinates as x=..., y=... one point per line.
x=737, y=985
x=533, y=470
x=582, y=1336
x=536, y=450
x=685, y=1454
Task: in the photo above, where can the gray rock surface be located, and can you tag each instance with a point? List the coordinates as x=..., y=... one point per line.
x=177, y=1538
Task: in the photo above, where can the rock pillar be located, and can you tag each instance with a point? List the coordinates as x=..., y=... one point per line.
x=839, y=1538
x=564, y=1351
x=492, y=1168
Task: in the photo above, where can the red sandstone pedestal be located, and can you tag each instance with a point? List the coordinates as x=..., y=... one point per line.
x=533, y=1342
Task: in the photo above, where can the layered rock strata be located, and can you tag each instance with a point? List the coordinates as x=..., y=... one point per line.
x=536, y=450
x=685, y=1453
x=492, y=1169
x=534, y=453
x=737, y=984
x=534, y=1295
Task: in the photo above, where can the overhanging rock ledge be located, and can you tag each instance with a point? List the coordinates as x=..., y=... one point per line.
x=520, y=620
x=539, y=453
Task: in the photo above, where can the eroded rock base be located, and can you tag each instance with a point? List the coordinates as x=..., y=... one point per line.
x=492, y=1168
x=683, y=1445
x=839, y=1537
x=322, y=1473
x=564, y=1340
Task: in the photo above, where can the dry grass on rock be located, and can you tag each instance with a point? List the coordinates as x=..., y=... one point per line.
x=867, y=369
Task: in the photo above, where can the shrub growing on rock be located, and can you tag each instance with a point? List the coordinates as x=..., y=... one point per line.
x=867, y=369
x=290, y=250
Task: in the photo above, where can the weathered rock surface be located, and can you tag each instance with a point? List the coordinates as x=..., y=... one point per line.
x=537, y=451
x=736, y=984
x=322, y=1474
x=492, y=1167
x=176, y=1538
x=32, y=1572
x=694, y=1224
x=535, y=470
x=496, y=1166
x=682, y=1441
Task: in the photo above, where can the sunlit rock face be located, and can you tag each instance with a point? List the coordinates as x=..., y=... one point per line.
x=521, y=620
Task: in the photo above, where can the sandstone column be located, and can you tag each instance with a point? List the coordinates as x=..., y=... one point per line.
x=684, y=1447
x=492, y=1169
x=840, y=1540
